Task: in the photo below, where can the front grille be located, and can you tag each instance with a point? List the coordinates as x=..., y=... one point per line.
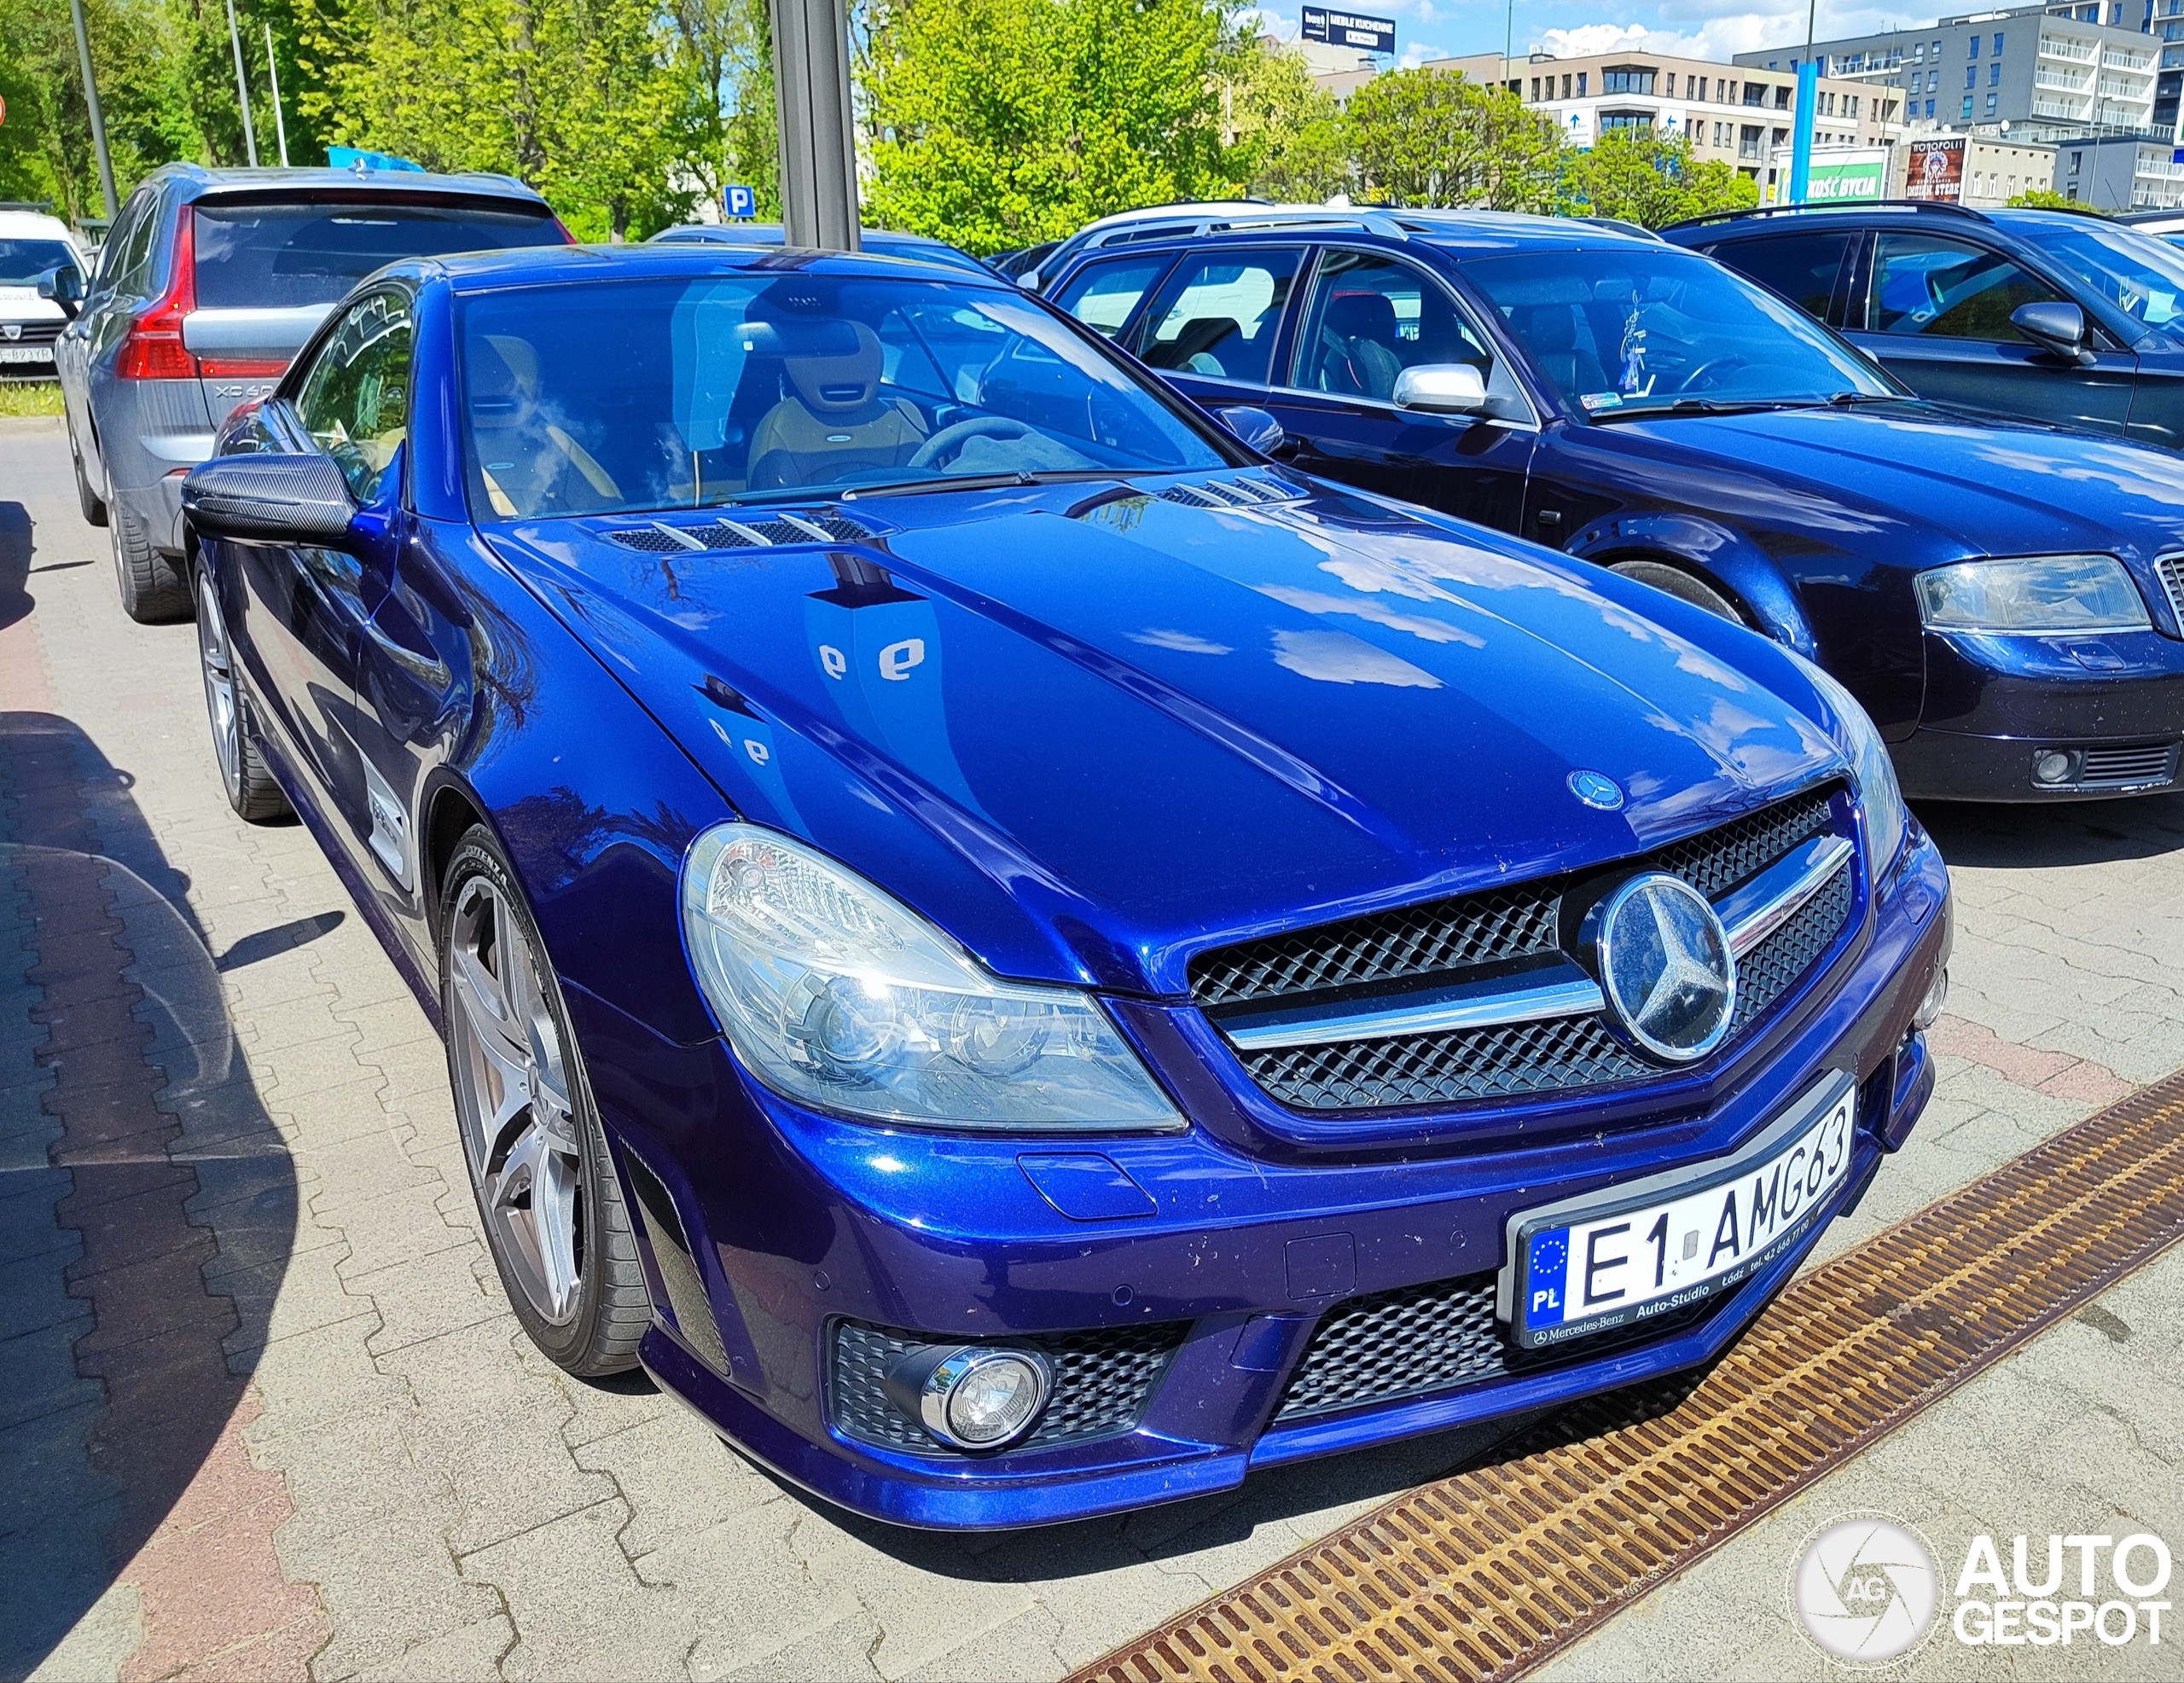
x=660, y=538
x=37, y=333
x=1512, y=1059
x=2169, y=570
x=2118, y=768
x=1101, y=1382
x=1398, y=1343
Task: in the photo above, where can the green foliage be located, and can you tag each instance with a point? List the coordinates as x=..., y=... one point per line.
x=1430, y=138
x=1652, y=179
x=1285, y=132
x=29, y=396
x=1002, y=123
x=45, y=144
x=2042, y=199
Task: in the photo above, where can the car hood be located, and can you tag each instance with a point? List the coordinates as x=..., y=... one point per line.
x=1979, y=487
x=22, y=303
x=1092, y=733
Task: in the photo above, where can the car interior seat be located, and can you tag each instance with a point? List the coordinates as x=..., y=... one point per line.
x=530, y=466
x=833, y=419
x=1357, y=350
x=1551, y=331
x=1197, y=347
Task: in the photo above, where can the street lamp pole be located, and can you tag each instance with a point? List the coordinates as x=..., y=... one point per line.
x=818, y=145
x=243, y=87
x=97, y=117
x=280, y=122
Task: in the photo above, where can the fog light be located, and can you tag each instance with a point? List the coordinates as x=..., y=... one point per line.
x=971, y=1396
x=2054, y=765
x=1930, y=1008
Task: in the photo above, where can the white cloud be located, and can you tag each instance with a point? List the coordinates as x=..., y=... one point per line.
x=1182, y=642
x=1337, y=658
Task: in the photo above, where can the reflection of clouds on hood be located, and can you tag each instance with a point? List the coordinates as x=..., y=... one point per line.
x=1337, y=658
x=1182, y=642
x=2121, y=469
x=1317, y=602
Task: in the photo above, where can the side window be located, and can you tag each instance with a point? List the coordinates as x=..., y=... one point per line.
x=1371, y=317
x=354, y=400
x=1800, y=267
x=1102, y=294
x=1946, y=289
x=129, y=254
x=1218, y=313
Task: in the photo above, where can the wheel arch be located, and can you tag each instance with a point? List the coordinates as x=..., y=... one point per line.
x=1716, y=555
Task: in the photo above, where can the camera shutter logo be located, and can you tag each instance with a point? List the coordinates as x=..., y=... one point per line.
x=1864, y=1589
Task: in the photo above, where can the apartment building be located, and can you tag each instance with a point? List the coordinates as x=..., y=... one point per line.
x=1737, y=114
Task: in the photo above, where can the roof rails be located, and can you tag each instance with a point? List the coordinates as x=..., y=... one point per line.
x=1929, y=206
x=1373, y=222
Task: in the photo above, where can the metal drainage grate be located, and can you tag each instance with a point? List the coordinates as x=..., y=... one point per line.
x=1101, y=1382
x=664, y=537
x=1489, y=1573
x=1553, y=1054
x=2143, y=762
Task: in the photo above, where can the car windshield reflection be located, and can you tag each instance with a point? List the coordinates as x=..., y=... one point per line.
x=2141, y=277
x=1653, y=331
x=647, y=395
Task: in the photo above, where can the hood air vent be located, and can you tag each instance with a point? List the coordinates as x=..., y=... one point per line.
x=1246, y=493
x=659, y=538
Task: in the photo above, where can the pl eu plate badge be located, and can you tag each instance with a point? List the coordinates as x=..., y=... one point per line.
x=1550, y=1277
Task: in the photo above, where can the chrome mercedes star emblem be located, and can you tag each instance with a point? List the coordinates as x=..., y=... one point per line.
x=1666, y=968
x=1596, y=789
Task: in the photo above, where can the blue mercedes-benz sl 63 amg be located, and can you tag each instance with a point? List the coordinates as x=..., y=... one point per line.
x=1023, y=960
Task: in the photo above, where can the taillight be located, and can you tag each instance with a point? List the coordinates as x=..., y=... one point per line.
x=153, y=349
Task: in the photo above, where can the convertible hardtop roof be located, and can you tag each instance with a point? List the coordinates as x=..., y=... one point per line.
x=480, y=272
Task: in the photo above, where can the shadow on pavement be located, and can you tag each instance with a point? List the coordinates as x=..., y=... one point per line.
x=128, y=1129
x=2038, y=836
x=15, y=548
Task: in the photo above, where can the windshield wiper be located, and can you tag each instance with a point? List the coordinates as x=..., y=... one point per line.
x=1846, y=399
x=1022, y=476
x=1693, y=406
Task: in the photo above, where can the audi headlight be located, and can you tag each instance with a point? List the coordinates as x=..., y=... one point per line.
x=1870, y=771
x=836, y=994
x=2047, y=594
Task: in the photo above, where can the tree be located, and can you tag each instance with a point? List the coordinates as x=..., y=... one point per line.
x=1652, y=179
x=725, y=53
x=2043, y=199
x=1285, y=131
x=1434, y=138
x=1002, y=123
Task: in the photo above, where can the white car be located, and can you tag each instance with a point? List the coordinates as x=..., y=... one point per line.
x=33, y=244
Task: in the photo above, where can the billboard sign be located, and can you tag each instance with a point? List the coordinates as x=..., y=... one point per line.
x=1350, y=29
x=1937, y=169
x=1847, y=175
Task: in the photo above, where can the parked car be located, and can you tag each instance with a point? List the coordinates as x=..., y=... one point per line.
x=1013, y=263
x=1022, y=960
x=2047, y=315
x=2158, y=224
x=211, y=280
x=41, y=263
x=1152, y=222
x=2002, y=598
x=879, y=242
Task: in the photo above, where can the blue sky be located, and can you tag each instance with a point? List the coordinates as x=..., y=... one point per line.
x=1711, y=29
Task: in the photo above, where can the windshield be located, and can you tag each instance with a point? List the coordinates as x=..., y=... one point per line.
x=767, y=385
x=272, y=256
x=1650, y=329
x=2140, y=275
x=22, y=261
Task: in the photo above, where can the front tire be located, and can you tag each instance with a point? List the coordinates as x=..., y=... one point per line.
x=539, y=1167
x=244, y=775
x=153, y=592
x=1685, y=587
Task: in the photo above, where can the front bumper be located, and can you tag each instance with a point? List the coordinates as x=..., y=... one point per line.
x=765, y=1226
x=2113, y=705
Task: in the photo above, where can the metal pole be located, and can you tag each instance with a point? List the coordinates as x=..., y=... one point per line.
x=818, y=147
x=243, y=87
x=280, y=122
x=1808, y=100
x=98, y=117
x=1508, y=38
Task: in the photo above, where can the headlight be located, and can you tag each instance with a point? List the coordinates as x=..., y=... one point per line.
x=833, y=992
x=1887, y=819
x=2041, y=592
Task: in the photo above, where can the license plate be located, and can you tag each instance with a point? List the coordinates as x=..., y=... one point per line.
x=1618, y=1258
x=26, y=353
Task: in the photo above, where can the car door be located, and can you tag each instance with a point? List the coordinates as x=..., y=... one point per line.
x=1807, y=268
x=1367, y=316
x=304, y=607
x=87, y=344
x=1213, y=327
x=1935, y=311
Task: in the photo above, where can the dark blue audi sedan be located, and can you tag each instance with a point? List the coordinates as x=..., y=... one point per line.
x=2004, y=598
x=1021, y=960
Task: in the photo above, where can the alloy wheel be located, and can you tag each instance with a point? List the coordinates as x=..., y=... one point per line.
x=512, y=1096
x=219, y=688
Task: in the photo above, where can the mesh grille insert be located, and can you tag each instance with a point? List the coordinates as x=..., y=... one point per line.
x=728, y=533
x=1101, y=1382
x=1397, y=1343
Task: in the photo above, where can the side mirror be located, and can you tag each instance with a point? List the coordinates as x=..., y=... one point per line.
x=64, y=286
x=2060, y=328
x=269, y=499
x=1255, y=426
x=1441, y=388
